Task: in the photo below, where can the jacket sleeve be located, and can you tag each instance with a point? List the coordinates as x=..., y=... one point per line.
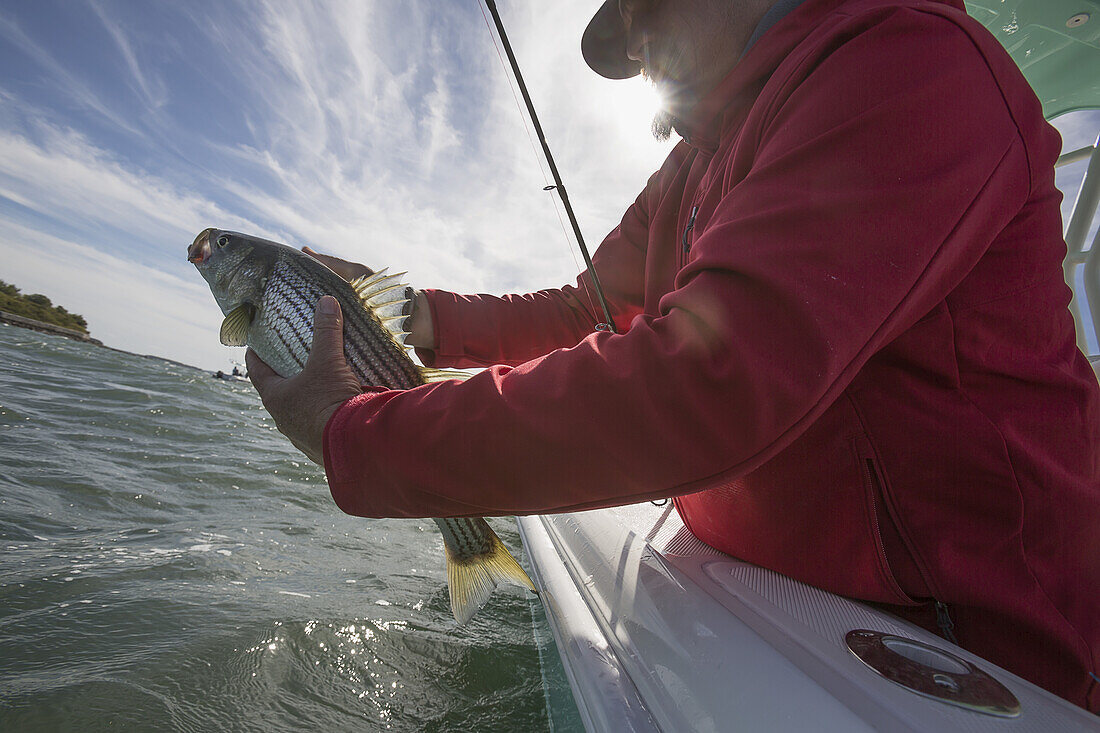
x=482, y=330
x=867, y=202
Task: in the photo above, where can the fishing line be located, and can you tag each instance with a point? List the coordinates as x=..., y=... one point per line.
x=538, y=158
x=608, y=324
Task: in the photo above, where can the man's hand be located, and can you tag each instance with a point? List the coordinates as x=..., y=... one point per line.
x=347, y=270
x=303, y=404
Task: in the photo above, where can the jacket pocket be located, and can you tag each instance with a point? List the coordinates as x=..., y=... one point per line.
x=888, y=543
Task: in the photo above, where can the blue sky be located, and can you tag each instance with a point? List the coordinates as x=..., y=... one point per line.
x=384, y=131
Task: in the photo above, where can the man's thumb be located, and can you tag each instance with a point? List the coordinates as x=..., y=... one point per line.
x=328, y=332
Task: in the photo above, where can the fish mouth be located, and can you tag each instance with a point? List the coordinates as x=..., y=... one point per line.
x=199, y=251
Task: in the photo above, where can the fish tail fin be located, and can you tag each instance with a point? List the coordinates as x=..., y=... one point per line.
x=473, y=579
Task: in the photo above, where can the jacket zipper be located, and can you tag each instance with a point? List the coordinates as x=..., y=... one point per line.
x=943, y=620
x=943, y=617
x=687, y=230
x=875, y=493
x=869, y=467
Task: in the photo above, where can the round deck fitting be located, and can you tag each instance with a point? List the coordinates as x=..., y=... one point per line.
x=932, y=672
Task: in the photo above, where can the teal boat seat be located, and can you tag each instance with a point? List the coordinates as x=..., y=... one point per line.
x=1055, y=42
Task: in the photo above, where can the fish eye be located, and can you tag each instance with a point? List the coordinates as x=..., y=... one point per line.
x=223, y=240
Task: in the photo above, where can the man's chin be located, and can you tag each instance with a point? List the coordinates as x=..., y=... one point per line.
x=662, y=126
x=664, y=122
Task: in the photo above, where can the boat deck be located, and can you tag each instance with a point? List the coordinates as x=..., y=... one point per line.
x=660, y=632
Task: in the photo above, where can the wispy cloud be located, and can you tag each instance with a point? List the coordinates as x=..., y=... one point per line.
x=152, y=89
x=401, y=146
x=70, y=84
x=380, y=131
x=67, y=180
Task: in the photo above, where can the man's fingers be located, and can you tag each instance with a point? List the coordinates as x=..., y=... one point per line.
x=328, y=333
x=263, y=377
x=343, y=268
x=302, y=405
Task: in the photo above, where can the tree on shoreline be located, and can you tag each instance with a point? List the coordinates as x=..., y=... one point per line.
x=39, y=307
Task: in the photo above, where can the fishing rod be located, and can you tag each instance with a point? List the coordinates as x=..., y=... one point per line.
x=608, y=324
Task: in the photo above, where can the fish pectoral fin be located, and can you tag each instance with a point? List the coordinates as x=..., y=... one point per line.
x=473, y=579
x=235, y=326
x=442, y=375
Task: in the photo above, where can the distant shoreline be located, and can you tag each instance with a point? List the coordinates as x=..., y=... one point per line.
x=24, y=322
x=33, y=325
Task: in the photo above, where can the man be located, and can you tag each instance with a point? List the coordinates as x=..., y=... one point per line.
x=844, y=342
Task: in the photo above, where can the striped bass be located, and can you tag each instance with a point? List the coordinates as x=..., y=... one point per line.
x=268, y=291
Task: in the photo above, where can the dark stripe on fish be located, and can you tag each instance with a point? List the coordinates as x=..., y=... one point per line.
x=286, y=347
x=469, y=535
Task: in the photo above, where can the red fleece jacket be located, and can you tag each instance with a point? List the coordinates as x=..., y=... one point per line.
x=845, y=346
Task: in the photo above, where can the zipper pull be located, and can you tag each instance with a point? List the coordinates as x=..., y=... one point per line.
x=687, y=231
x=943, y=620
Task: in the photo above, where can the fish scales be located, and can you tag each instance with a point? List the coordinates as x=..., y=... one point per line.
x=465, y=534
x=287, y=310
x=268, y=293
x=280, y=315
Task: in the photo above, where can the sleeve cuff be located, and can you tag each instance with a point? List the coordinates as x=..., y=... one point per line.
x=447, y=335
x=429, y=357
x=343, y=464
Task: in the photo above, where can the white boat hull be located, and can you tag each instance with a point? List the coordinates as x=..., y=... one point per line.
x=658, y=632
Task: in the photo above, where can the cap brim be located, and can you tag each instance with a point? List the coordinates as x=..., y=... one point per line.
x=603, y=44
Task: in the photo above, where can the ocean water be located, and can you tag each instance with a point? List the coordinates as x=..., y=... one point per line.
x=170, y=562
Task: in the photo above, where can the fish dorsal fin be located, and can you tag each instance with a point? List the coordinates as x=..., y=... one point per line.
x=235, y=326
x=442, y=375
x=375, y=287
x=384, y=296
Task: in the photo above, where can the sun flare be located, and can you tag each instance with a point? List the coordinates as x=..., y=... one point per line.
x=630, y=106
x=637, y=100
